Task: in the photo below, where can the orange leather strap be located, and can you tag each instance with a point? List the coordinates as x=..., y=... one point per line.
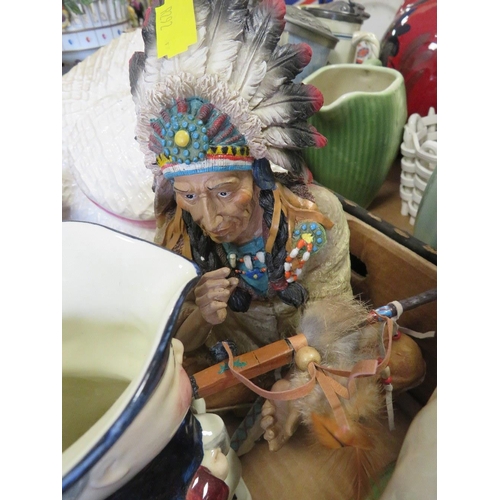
x=278, y=395
x=332, y=388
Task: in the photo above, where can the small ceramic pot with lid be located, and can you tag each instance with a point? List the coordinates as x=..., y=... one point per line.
x=303, y=27
x=344, y=19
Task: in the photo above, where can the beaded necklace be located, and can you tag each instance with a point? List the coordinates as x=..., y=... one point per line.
x=249, y=261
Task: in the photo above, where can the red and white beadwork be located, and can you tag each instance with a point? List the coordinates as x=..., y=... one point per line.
x=308, y=237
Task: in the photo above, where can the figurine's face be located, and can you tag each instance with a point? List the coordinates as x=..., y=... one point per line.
x=224, y=204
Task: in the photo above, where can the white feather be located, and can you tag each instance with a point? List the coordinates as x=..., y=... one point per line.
x=285, y=159
x=286, y=62
x=263, y=28
x=223, y=38
x=293, y=102
x=297, y=135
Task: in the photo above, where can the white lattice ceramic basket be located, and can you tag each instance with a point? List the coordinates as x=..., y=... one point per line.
x=419, y=150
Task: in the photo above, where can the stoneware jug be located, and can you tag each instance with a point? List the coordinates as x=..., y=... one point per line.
x=126, y=398
x=303, y=27
x=344, y=20
x=362, y=117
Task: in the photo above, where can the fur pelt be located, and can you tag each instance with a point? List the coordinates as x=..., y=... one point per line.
x=338, y=330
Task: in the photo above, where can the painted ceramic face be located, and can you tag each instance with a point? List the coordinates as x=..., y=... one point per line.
x=224, y=204
x=216, y=462
x=184, y=393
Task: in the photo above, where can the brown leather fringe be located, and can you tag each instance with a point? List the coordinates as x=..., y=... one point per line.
x=273, y=230
x=176, y=229
x=294, y=208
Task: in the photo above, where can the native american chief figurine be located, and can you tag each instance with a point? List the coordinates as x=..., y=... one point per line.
x=222, y=126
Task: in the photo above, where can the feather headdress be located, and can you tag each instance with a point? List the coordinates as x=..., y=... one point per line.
x=229, y=99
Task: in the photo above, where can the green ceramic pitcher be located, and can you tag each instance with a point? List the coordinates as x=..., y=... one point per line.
x=362, y=117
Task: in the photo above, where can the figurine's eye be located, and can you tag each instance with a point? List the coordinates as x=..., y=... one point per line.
x=189, y=196
x=224, y=194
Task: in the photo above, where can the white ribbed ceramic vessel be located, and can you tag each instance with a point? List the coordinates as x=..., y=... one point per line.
x=418, y=162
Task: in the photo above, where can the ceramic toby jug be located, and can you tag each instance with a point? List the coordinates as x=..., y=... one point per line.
x=125, y=396
x=362, y=117
x=130, y=426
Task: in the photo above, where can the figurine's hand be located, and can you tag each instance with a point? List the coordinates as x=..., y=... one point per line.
x=279, y=418
x=212, y=293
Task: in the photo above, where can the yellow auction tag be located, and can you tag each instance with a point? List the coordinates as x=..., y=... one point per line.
x=175, y=27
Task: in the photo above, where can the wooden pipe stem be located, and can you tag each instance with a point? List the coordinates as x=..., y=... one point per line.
x=251, y=364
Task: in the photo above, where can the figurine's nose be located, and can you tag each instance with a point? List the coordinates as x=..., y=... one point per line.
x=208, y=215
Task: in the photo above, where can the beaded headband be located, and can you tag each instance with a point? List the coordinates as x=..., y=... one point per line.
x=192, y=137
x=230, y=98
